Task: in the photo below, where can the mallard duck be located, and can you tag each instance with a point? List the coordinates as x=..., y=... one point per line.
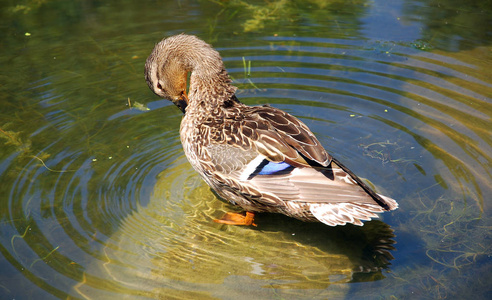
x=258, y=157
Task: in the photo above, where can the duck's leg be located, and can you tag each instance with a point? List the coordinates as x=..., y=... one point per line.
x=237, y=219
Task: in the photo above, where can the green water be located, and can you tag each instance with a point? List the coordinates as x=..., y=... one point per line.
x=98, y=202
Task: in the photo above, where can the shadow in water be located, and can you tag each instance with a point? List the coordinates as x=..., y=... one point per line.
x=368, y=247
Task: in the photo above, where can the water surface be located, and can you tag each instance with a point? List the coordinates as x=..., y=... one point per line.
x=97, y=200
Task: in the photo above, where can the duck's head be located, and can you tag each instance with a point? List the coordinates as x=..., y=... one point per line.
x=167, y=67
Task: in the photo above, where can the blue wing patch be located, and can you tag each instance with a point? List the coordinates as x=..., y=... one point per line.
x=267, y=167
x=271, y=168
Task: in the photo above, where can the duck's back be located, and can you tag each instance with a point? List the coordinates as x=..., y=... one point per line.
x=264, y=159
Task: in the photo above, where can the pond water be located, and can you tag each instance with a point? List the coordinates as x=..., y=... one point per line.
x=97, y=200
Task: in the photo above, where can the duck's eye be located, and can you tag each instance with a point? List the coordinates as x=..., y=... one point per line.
x=159, y=86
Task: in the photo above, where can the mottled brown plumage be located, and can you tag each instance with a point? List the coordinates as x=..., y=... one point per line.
x=260, y=158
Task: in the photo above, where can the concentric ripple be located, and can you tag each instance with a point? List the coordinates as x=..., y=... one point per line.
x=435, y=101
x=109, y=208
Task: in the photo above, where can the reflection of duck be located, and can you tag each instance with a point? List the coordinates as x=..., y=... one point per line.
x=260, y=158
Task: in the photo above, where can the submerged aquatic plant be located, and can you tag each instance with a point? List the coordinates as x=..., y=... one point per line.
x=27, y=6
x=454, y=240
x=259, y=15
x=13, y=138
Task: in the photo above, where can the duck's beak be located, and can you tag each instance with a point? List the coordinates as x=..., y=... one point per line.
x=182, y=102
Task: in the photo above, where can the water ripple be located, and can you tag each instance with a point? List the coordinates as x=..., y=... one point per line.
x=110, y=206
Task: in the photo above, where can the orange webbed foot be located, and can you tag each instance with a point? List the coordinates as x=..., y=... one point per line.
x=237, y=219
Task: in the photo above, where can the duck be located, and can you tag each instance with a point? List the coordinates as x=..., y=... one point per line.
x=259, y=158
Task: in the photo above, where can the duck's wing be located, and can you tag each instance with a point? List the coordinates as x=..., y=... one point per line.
x=285, y=168
x=276, y=134
x=333, y=195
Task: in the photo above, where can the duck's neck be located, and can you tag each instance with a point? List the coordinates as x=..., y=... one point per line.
x=210, y=85
x=209, y=90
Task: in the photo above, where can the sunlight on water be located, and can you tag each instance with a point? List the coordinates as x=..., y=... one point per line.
x=99, y=202
x=173, y=247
